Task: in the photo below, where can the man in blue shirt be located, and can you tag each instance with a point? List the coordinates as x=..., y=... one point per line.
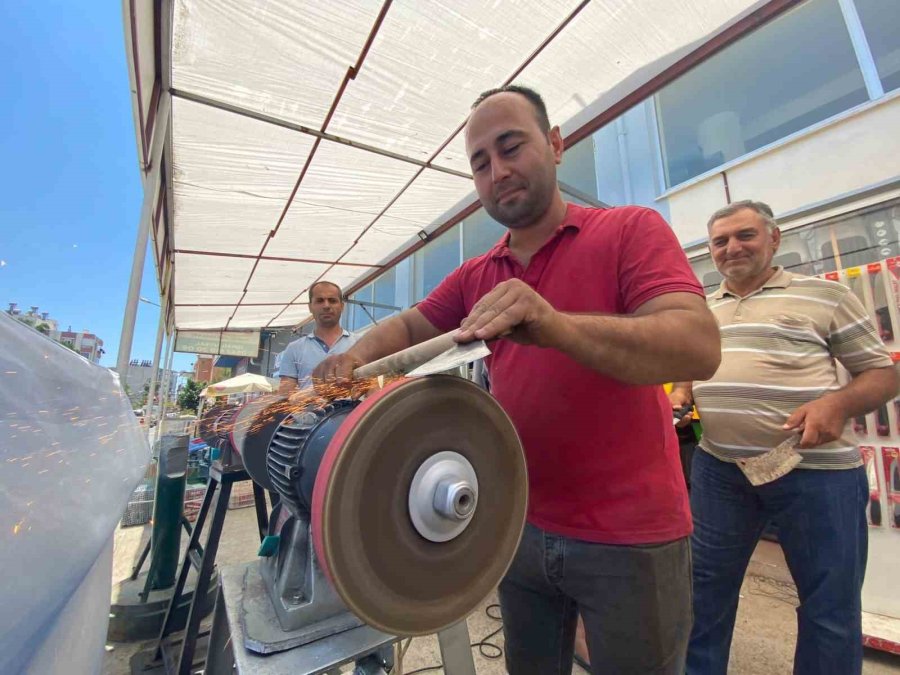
x=299, y=359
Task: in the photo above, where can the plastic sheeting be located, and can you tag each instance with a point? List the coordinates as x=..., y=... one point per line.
x=355, y=209
x=71, y=453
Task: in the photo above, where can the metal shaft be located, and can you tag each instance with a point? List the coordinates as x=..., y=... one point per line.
x=134, y=292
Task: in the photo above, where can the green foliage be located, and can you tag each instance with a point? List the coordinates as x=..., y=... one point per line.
x=189, y=396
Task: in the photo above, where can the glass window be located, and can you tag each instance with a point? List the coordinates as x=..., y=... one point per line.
x=792, y=73
x=385, y=294
x=881, y=22
x=577, y=169
x=480, y=233
x=627, y=159
x=435, y=261
x=359, y=318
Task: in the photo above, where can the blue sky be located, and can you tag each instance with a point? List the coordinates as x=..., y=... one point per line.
x=70, y=191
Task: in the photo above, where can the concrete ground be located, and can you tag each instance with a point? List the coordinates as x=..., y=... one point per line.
x=764, y=635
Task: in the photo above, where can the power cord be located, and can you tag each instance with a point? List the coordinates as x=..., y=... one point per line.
x=486, y=648
x=484, y=644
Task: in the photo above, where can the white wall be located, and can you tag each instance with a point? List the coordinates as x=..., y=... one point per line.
x=857, y=150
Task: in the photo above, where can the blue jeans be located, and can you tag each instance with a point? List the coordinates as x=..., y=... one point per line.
x=635, y=602
x=822, y=529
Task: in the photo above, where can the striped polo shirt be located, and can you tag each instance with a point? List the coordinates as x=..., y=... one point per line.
x=779, y=346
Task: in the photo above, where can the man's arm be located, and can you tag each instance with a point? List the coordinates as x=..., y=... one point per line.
x=823, y=420
x=672, y=337
x=404, y=330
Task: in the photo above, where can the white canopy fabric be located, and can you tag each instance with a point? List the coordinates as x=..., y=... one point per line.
x=307, y=139
x=242, y=384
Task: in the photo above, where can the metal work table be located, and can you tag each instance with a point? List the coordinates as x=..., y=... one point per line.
x=226, y=641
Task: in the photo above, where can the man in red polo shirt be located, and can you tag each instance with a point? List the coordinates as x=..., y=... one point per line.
x=597, y=307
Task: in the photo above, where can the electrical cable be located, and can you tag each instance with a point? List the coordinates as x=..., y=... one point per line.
x=485, y=647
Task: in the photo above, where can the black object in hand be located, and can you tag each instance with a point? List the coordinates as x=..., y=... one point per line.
x=679, y=413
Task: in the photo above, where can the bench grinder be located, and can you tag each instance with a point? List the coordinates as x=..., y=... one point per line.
x=402, y=511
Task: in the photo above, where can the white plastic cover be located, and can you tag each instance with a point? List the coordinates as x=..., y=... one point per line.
x=71, y=455
x=286, y=59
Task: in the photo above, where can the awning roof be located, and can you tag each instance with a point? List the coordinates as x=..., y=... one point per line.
x=284, y=142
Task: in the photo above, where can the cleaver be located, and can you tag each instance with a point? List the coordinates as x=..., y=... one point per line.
x=772, y=465
x=426, y=358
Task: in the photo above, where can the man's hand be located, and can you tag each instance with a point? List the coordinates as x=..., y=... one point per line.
x=333, y=376
x=512, y=309
x=820, y=421
x=680, y=399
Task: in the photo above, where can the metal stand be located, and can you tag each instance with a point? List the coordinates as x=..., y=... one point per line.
x=227, y=653
x=456, y=650
x=221, y=479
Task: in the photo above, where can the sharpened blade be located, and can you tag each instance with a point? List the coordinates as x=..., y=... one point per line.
x=772, y=465
x=457, y=355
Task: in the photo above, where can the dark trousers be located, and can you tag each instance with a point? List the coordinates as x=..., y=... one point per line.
x=822, y=529
x=635, y=602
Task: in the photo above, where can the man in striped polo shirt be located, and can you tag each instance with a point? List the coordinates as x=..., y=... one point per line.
x=781, y=336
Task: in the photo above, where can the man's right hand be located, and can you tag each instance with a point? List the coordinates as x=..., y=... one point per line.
x=335, y=374
x=679, y=400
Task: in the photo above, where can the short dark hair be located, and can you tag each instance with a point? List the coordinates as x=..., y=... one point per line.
x=534, y=98
x=327, y=283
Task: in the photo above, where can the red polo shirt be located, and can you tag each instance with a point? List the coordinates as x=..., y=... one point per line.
x=603, y=461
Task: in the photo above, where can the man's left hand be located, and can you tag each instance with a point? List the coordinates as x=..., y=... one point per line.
x=820, y=421
x=512, y=309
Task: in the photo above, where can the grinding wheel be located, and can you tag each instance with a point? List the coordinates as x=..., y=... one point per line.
x=387, y=572
x=207, y=426
x=254, y=426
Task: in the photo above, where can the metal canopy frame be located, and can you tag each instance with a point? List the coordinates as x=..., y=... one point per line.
x=157, y=156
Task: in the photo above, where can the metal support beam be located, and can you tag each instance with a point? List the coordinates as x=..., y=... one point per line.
x=151, y=392
x=874, y=87
x=309, y=131
x=167, y=375
x=456, y=649
x=151, y=183
x=590, y=200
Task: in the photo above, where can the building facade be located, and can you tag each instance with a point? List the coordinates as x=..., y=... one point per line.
x=206, y=370
x=86, y=344
x=138, y=376
x=34, y=318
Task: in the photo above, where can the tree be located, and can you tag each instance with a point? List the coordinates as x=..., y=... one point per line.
x=189, y=396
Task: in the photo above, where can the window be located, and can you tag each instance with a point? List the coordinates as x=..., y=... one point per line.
x=385, y=294
x=435, y=261
x=627, y=158
x=790, y=74
x=358, y=317
x=577, y=169
x=881, y=23
x=480, y=233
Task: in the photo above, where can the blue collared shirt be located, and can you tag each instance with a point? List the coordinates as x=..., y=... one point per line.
x=301, y=357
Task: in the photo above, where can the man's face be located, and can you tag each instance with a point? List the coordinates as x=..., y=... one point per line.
x=326, y=305
x=513, y=162
x=742, y=246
